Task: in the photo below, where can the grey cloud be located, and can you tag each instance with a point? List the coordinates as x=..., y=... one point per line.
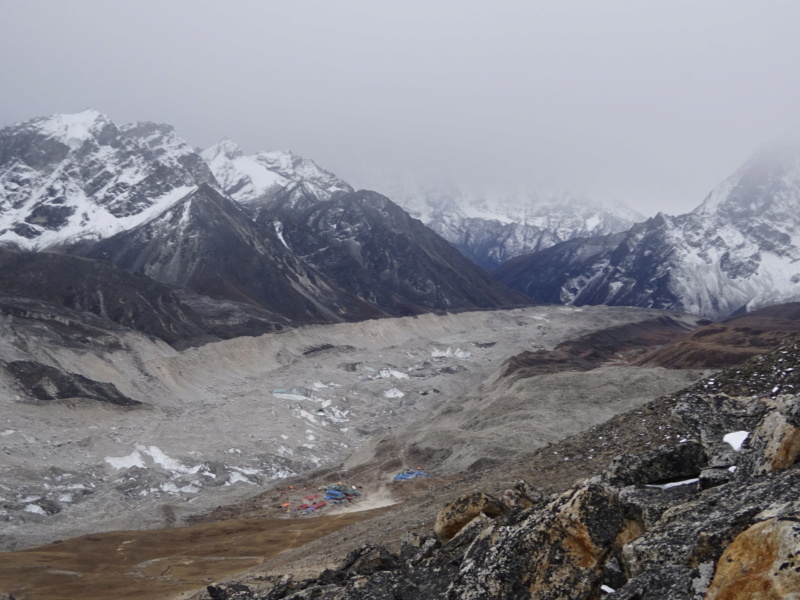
x=649, y=103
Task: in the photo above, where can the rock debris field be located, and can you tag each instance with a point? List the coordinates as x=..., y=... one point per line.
x=222, y=421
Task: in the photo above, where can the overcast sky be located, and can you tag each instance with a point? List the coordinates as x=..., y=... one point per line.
x=651, y=103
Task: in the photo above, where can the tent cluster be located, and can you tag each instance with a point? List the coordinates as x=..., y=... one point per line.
x=408, y=474
x=333, y=494
x=340, y=493
x=313, y=503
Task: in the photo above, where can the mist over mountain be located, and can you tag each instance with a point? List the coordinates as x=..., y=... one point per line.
x=736, y=251
x=491, y=227
x=224, y=321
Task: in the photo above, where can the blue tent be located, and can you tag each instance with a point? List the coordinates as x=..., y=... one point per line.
x=409, y=474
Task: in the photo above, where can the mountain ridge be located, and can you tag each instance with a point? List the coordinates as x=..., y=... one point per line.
x=207, y=243
x=139, y=196
x=738, y=250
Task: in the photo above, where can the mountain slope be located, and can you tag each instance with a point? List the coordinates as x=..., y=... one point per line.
x=71, y=177
x=729, y=342
x=40, y=281
x=372, y=248
x=206, y=243
x=660, y=502
x=740, y=248
x=89, y=286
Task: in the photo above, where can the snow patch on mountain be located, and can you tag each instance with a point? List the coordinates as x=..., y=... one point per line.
x=250, y=178
x=72, y=129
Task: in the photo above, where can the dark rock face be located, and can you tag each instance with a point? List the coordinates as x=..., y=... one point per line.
x=96, y=288
x=25, y=319
x=33, y=285
x=646, y=504
x=624, y=269
x=208, y=244
x=617, y=536
x=673, y=582
x=49, y=383
x=373, y=249
x=668, y=463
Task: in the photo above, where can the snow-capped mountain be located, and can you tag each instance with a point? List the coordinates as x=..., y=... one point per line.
x=139, y=197
x=72, y=177
x=259, y=177
x=740, y=249
x=491, y=228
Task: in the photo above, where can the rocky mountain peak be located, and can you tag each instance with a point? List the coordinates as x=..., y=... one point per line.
x=260, y=177
x=295, y=167
x=766, y=186
x=376, y=251
x=739, y=250
x=71, y=129
x=154, y=136
x=491, y=227
x=226, y=149
x=205, y=242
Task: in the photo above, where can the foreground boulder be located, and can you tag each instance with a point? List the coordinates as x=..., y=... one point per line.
x=457, y=515
x=762, y=562
x=775, y=442
x=697, y=532
x=555, y=552
x=666, y=463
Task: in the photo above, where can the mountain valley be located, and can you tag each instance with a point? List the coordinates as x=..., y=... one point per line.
x=248, y=410
x=195, y=342
x=220, y=421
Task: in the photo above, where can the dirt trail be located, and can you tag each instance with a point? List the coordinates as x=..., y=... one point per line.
x=145, y=565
